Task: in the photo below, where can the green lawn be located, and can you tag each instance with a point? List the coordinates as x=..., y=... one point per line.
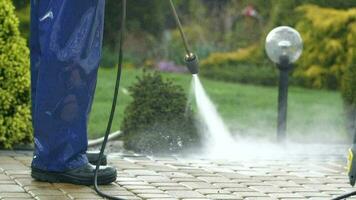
x=246, y=109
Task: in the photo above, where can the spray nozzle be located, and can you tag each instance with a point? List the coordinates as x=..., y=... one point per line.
x=192, y=63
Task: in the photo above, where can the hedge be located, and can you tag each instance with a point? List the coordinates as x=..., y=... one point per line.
x=239, y=66
x=328, y=37
x=15, y=116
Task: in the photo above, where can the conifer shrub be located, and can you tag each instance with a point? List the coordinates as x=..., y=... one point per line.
x=328, y=37
x=15, y=116
x=157, y=121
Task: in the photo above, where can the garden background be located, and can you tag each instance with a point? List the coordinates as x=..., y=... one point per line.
x=228, y=36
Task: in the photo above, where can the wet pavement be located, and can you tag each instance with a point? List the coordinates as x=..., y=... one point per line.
x=315, y=176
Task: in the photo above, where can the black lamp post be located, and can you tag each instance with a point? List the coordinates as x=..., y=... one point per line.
x=283, y=46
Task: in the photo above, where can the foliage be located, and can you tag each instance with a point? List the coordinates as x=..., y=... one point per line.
x=15, y=120
x=328, y=35
x=239, y=66
x=230, y=58
x=143, y=16
x=157, y=121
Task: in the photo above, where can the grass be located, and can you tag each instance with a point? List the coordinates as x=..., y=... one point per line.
x=246, y=109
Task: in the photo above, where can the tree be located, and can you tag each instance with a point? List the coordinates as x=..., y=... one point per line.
x=15, y=117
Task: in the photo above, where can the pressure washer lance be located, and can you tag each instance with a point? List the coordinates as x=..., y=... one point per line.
x=191, y=60
x=192, y=63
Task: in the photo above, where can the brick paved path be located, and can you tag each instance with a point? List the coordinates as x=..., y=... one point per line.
x=172, y=178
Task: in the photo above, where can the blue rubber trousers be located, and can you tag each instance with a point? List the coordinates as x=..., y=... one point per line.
x=65, y=43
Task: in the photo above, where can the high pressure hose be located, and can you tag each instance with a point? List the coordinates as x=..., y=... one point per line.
x=344, y=196
x=113, y=106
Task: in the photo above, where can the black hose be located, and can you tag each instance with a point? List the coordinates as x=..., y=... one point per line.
x=113, y=107
x=344, y=196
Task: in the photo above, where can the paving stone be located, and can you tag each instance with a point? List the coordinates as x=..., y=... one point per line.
x=51, y=197
x=163, y=199
x=86, y=195
x=250, y=194
x=185, y=194
x=134, y=187
x=198, y=185
x=166, y=188
x=133, y=183
x=147, y=191
x=176, y=175
x=196, y=199
x=14, y=195
x=215, y=179
x=7, y=182
x=260, y=198
x=46, y=192
x=119, y=193
x=228, y=185
x=285, y=195
x=159, y=195
x=29, y=181
x=239, y=189
x=223, y=196
x=312, y=194
x=186, y=179
x=234, y=175
x=11, y=188
x=155, y=179
x=171, y=184
x=212, y=191
x=141, y=172
x=269, y=189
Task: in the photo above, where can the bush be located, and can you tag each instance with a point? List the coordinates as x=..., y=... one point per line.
x=328, y=36
x=15, y=117
x=239, y=66
x=157, y=120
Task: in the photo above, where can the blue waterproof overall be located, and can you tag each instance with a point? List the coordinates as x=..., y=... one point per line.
x=66, y=40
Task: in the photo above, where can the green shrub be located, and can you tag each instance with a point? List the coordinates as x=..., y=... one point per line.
x=239, y=66
x=328, y=36
x=157, y=121
x=15, y=118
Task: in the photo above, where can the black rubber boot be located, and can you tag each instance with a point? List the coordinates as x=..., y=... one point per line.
x=93, y=158
x=81, y=176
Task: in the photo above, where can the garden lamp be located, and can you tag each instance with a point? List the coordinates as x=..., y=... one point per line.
x=284, y=46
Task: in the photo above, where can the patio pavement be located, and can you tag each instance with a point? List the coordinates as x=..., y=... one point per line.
x=170, y=178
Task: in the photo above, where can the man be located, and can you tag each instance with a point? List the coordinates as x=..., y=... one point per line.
x=66, y=41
